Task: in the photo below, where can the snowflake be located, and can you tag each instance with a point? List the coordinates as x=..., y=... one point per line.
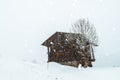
x=114, y=29
x=26, y=41
x=26, y=45
x=97, y=57
x=73, y=4
x=51, y=3
x=107, y=54
x=30, y=51
x=71, y=15
x=100, y=0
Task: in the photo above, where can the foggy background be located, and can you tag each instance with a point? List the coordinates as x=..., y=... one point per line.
x=25, y=24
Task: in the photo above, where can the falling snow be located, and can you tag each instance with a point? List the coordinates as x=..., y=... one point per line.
x=114, y=29
x=25, y=24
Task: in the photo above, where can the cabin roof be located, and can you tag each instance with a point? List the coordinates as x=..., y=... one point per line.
x=55, y=35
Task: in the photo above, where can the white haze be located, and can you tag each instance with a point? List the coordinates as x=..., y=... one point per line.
x=25, y=24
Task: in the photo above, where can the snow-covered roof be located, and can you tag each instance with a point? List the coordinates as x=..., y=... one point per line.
x=56, y=34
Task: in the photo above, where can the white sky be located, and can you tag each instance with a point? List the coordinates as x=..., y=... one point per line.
x=25, y=24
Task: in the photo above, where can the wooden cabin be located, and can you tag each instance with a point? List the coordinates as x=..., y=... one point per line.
x=64, y=48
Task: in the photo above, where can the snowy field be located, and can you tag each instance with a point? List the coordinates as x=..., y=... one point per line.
x=23, y=70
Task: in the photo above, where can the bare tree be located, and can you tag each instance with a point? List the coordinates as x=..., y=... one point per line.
x=86, y=32
x=85, y=37
x=85, y=28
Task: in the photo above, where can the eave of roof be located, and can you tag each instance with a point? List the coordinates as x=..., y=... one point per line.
x=55, y=34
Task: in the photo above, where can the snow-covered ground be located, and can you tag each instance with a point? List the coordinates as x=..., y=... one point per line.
x=24, y=70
